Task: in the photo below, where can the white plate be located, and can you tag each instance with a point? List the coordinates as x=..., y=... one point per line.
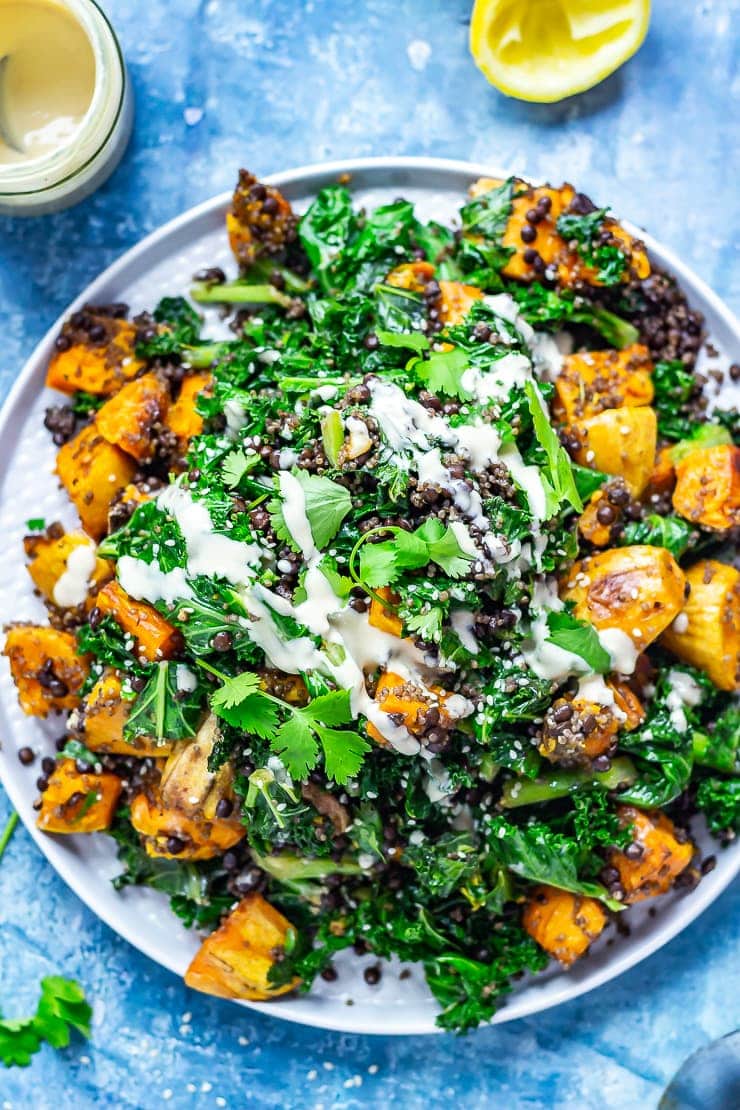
x=164, y=263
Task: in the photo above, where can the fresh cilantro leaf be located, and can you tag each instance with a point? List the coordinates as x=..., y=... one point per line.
x=608, y=260
x=326, y=504
x=241, y=703
x=295, y=745
x=344, y=752
x=234, y=690
x=378, y=564
x=447, y=553
x=442, y=372
x=236, y=465
x=427, y=624
x=61, y=1008
x=580, y=638
x=561, y=478
x=412, y=341
x=382, y=563
x=330, y=709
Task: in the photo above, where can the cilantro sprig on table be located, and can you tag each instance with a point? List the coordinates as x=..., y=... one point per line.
x=298, y=735
x=61, y=1008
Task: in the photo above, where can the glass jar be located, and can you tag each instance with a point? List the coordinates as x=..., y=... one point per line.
x=71, y=172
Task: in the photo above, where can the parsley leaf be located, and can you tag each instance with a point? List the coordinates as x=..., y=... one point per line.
x=62, y=1007
x=580, y=638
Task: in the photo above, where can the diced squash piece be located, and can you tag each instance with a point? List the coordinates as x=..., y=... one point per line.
x=260, y=221
x=78, y=802
x=412, y=703
x=456, y=301
x=99, y=367
x=708, y=487
x=194, y=837
x=562, y=923
x=549, y=244
x=129, y=419
x=384, y=618
x=590, y=527
x=706, y=634
x=155, y=637
x=45, y=667
x=64, y=567
x=620, y=442
x=189, y=787
x=662, y=476
x=411, y=275
x=592, y=381
x=104, y=714
x=235, y=961
x=93, y=471
x=637, y=590
x=592, y=727
x=664, y=855
x=183, y=419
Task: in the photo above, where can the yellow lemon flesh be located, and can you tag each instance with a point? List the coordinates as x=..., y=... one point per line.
x=545, y=50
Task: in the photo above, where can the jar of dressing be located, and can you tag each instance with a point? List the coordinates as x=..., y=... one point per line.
x=66, y=106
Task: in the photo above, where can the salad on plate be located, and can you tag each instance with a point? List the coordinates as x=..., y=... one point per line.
x=403, y=614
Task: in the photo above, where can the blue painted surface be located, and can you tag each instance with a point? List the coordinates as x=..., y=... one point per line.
x=273, y=83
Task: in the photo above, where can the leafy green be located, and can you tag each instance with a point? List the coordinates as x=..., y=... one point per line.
x=180, y=328
x=670, y=532
x=544, y=308
x=719, y=800
x=580, y=638
x=609, y=261
x=381, y=564
x=163, y=711
x=444, y=864
x=488, y=214
x=61, y=1008
x=442, y=372
x=717, y=745
x=326, y=504
x=561, y=488
x=324, y=230
x=674, y=385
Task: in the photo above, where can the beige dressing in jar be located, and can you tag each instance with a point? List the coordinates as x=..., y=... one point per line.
x=47, y=78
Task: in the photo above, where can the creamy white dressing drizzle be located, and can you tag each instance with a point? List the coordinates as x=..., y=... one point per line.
x=72, y=585
x=146, y=582
x=209, y=553
x=685, y=692
x=294, y=514
x=622, y=651
x=547, y=660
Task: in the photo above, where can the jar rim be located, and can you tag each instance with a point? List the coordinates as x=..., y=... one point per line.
x=89, y=22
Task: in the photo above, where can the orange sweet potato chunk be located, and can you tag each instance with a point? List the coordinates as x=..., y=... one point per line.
x=156, y=638
x=199, y=838
x=592, y=381
x=93, y=472
x=620, y=442
x=129, y=419
x=411, y=275
x=456, y=301
x=45, y=667
x=383, y=618
x=664, y=855
x=707, y=634
x=99, y=367
x=260, y=221
x=235, y=961
x=104, y=715
x=76, y=802
x=638, y=590
x=562, y=923
x=707, y=488
x=49, y=554
x=183, y=418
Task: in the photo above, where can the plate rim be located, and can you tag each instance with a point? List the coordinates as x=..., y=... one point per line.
x=309, y=176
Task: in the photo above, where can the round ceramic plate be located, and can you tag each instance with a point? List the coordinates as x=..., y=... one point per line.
x=164, y=263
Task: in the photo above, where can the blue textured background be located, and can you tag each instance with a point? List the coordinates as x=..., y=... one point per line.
x=224, y=83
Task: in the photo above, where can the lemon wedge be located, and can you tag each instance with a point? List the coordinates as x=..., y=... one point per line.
x=544, y=50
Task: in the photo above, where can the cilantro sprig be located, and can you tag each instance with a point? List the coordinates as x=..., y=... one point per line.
x=326, y=504
x=61, y=1008
x=381, y=564
x=579, y=638
x=298, y=735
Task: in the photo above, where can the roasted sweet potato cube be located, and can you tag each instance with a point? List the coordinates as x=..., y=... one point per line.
x=412, y=703
x=131, y=417
x=64, y=567
x=100, y=365
x=562, y=923
x=456, y=301
x=411, y=275
x=188, y=786
x=708, y=487
x=589, y=525
x=93, y=471
x=45, y=667
x=592, y=727
x=183, y=418
x=155, y=637
x=235, y=961
x=664, y=856
x=706, y=633
x=76, y=802
x=637, y=590
x=663, y=475
x=620, y=442
x=260, y=221
x=195, y=837
x=549, y=244
x=383, y=618
x=592, y=381
x=104, y=714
